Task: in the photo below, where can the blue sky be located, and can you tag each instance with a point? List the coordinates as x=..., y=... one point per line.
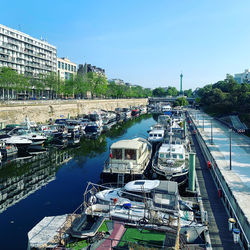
x=144, y=42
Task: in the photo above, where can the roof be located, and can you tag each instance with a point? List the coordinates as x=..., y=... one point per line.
x=129, y=144
x=142, y=185
x=176, y=148
x=157, y=131
x=43, y=233
x=169, y=187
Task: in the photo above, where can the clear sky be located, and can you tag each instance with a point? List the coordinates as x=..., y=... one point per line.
x=145, y=42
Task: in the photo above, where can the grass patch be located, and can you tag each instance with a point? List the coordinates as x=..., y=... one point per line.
x=141, y=237
x=103, y=227
x=77, y=245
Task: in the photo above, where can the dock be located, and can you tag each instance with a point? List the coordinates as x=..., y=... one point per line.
x=225, y=192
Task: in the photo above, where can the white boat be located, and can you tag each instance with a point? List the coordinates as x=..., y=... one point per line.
x=36, y=138
x=148, y=218
x=127, y=158
x=147, y=202
x=166, y=108
x=171, y=160
x=143, y=110
x=156, y=134
x=97, y=118
x=20, y=142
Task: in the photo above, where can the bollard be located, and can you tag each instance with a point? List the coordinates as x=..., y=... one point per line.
x=209, y=165
x=231, y=222
x=219, y=192
x=191, y=175
x=236, y=235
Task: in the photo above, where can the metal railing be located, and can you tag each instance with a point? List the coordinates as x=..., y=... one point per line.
x=208, y=156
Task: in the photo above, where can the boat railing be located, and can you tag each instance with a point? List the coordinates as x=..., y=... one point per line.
x=129, y=166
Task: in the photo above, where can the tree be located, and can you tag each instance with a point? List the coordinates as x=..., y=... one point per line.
x=172, y=91
x=181, y=101
x=51, y=82
x=188, y=92
x=159, y=92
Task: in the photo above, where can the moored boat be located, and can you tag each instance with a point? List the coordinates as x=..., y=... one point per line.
x=128, y=159
x=146, y=203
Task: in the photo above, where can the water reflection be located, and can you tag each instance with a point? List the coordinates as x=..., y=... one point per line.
x=155, y=117
x=121, y=129
x=22, y=178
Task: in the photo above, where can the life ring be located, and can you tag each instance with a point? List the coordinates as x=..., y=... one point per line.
x=115, y=200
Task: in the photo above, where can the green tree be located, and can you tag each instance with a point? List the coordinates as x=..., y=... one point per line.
x=181, y=101
x=172, y=91
x=159, y=92
x=188, y=92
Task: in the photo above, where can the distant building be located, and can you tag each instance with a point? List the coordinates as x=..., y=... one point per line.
x=243, y=77
x=117, y=81
x=90, y=68
x=65, y=68
x=25, y=54
x=128, y=84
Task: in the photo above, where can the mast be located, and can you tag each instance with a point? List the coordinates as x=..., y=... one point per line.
x=170, y=138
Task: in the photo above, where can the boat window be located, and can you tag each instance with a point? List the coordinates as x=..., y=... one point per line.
x=130, y=154
x=117, y=153
x=151, y=135
x=161, y=155
x=132, y=196
x=174, y=156
x=167, y=155
x=110, y=192
x=181, y=156
x=155, y=135
x=159, y=135
x=139, y=183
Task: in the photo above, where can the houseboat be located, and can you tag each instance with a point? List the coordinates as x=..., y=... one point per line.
x=128, y=159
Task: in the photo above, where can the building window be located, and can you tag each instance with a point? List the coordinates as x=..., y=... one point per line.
x=59, y=65
x=66, y=66
x=62, y=65
x=71, y=67
x=74, y=68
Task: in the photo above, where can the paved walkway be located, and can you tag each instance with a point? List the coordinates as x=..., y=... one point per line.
x=220, y=237
x=237, y=179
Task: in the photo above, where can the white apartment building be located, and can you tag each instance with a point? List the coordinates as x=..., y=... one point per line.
x=25, y=54
x=243, y=77
x=65, y=68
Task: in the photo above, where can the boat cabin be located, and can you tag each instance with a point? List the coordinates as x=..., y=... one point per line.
x=156, y=135
x=128, y=150
x=173, y=152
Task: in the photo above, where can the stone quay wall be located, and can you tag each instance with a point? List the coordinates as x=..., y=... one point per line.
x=41, y=111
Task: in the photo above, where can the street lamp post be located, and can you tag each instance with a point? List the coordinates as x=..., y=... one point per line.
x=230, y=149
x=212, y=131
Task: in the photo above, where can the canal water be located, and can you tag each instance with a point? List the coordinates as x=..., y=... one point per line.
x=53, y=184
